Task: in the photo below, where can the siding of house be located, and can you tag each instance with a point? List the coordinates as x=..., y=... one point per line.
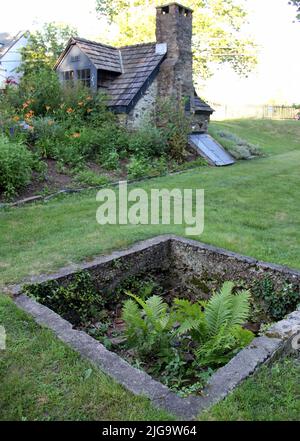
x=11, y=60
x=82, y=62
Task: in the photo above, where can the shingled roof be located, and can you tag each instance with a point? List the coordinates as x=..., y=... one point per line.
x=140, y=64
x=101, y=55
x=201, y=106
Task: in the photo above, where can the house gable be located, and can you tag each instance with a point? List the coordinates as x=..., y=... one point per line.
x=76, y=60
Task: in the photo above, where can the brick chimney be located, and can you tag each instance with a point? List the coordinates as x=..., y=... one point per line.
x=174, y=27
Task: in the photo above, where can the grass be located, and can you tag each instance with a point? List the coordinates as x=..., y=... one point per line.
x=42, y=379
x=252, y=208
x=263, y=397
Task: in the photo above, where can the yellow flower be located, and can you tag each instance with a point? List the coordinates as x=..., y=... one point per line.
x=89, y=110
x=75, y=135
x=48, y=108
x=80, y=103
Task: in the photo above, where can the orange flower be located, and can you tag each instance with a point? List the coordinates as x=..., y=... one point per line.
x=29, y=114
x=89, y=110
x=16, y=118
x=75, y=135
x=25, y=105
x=70, y=110
x=80, y=103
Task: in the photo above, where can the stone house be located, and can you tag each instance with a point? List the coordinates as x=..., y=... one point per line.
x=134, y=76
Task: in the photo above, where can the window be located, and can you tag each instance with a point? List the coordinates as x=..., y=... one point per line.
x=75, y=58
x=68, y=76
x=85, y=77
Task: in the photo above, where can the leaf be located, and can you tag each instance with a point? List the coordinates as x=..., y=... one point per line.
x=240, y=307
x=218, y=309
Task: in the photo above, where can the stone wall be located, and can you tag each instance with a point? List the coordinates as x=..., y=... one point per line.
x=177, y=262
x=200, y=122
x=143, y=107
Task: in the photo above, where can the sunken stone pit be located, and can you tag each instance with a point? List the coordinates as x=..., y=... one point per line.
x=179, y=265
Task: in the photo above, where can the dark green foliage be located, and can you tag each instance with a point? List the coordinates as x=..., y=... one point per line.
x=138, y=167
x=77, y=302
x=182, y=341
x=16, y=164
x=87, y=177
x=147, y=141
x=175, y=125
x=276, y=303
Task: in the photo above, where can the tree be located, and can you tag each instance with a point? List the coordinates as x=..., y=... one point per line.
x=44, y=47
x=297, y=4
x=216, y=32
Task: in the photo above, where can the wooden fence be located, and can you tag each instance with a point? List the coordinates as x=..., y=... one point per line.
x=223, y=111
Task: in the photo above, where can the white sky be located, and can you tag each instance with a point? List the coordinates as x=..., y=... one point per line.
x=271, y=25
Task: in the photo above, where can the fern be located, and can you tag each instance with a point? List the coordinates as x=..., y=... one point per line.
x=189, y=315
x=240, y=308
x=218, y=309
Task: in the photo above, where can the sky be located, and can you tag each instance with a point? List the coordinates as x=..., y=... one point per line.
x=276, y=77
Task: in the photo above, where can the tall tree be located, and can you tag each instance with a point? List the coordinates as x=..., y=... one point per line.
x=216, y=30
x=45, y=46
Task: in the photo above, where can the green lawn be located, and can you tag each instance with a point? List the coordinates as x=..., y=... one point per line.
x=252, y=208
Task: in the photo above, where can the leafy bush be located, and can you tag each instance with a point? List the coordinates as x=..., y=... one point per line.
x=148, y=141
x=138, y=167
x=15, y=166
x=111, y=160
x=175, y=127
x=40, y=93
x=148, y=329
x=88, y=177
x=237, y=147
x=214, y=326
x=77, y=302
x=277, y=303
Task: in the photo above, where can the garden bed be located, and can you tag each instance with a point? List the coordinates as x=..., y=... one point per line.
x=171, y=268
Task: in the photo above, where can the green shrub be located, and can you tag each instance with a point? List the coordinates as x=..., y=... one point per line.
x=15, y=166
x=40, y=92
x=276, y=303
x=148, y=325
x=77, y=302
x=111, y=160
x=148, y=141
x=138, y=167
x=90, y=178
x=175, y=126
x=214, y=327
